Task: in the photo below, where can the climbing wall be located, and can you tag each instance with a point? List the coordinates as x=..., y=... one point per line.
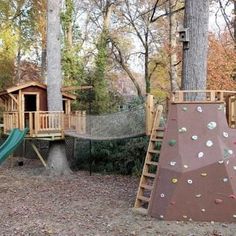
x=196, y=177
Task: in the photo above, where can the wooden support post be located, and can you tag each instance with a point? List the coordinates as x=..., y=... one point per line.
x=31, y=124
x=20, y=110
x=149, y=114
x=212, y=96
x=181, y=96
x=39, y=155
x=83, y=122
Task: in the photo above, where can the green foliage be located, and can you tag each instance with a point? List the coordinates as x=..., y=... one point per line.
x=72, y=66
x=118, y=156
x=67, y=15
x=7, y=57
x=101, y=92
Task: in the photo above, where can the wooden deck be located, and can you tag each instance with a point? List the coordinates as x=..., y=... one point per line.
x=44, y=124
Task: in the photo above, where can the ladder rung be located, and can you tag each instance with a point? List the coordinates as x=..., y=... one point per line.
x=154, y=151
x=149, y=175
x=146, y=186
x=145, y=199
x=159, y=133
x=162, y=129
x=154, y=163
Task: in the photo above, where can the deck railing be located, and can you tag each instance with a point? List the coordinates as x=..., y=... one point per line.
x=45, y=123
x=202, y=96
x=76, y=121
x=10, y=121
x=41, y=122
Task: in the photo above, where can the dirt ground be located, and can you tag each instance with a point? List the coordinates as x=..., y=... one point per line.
x=35, y=204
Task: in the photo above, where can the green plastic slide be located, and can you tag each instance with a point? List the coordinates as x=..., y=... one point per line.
x=14, y=139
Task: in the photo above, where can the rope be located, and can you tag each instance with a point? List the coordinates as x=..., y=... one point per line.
x=119, y=125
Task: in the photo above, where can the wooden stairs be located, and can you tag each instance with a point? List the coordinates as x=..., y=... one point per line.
x=150, y=165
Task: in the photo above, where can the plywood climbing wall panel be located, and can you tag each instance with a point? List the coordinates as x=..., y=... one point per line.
x=197, y=166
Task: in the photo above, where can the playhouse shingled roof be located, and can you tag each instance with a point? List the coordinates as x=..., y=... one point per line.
x=32, y=83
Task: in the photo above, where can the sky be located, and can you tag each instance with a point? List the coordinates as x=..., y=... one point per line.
x=216, y=20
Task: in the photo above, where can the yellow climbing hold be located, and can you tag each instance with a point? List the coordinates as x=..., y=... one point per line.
x=174, y=181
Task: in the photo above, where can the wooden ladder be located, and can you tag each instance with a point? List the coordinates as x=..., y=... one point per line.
x=150, y=165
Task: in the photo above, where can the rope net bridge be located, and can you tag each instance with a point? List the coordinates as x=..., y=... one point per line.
x=119, y=125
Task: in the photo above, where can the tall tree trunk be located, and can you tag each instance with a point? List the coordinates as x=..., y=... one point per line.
x=195, y=51
x=234, y=24
x=146, y=63
x=173, y=45
x=43, y=60
x=57, y=161
x=54, y=80
x=19, y=51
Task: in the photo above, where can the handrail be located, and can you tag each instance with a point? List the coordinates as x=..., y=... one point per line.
x=46, y=122
x=202, y=96
x=76, y=121
x=10, y=121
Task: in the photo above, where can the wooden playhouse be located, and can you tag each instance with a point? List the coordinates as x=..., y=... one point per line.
x=25, y=106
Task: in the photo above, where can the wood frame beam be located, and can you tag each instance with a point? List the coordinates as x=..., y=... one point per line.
x=39, y=155
x=73, y=88
x=13, y=98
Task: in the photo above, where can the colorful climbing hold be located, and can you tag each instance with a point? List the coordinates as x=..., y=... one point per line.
x=218, y=201
x=211, y=125
x=174, y=180
x=200, y=155
x=225, y=180
x=221, y=162
x=173, y=163
x=204, y=174
x=232, y=196
x=199, y=109
x=194, y=137
x=230, y=152
x=209, y=143
x=183, y=130
x=225, y=134
x=185, y=166
x=203, y=210
x=190, y=181
x=184, y=108
x=198, y=195
x=162, y=195
x=172, y=142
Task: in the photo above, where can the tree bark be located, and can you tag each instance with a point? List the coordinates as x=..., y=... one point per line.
x=234, y=24
x=119, y=58
x=173, y=45
x=43, y=63
x=194, y=72
x=54, y=77
x=57, y=161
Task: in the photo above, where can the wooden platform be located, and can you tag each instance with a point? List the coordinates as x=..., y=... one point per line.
x=46, y=125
